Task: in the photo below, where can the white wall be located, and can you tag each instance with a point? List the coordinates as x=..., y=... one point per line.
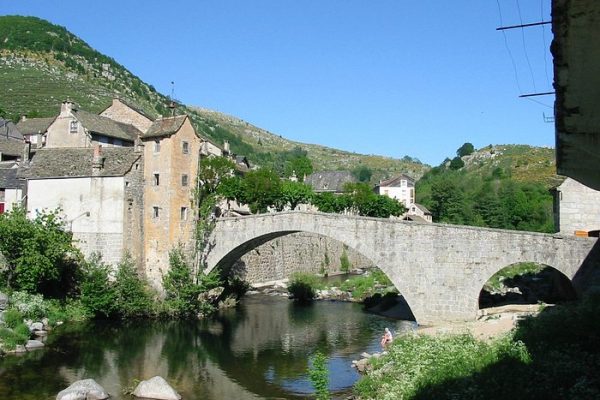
x=103, y=198
x=579, y=207
x=12, y=197
x=402, y=194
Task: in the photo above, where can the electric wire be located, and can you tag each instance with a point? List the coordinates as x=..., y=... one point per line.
x=512, y=59
x=544, y=40
x=525, y=47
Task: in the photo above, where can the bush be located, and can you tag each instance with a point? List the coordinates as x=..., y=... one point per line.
x=12, y=318
x=32, y=306
x=366, y=285
x=345, y=262
x=302, y=287
x=183, y=288
x=69, y=310
x=10, y=338
x=98, y=295
x=133, y=297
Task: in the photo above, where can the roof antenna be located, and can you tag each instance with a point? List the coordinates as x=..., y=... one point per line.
x=172, y=101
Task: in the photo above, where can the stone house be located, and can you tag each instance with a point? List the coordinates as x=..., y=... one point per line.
x=329, y=181
x=11, y=187
x=97, y=192
x=576, y=208
x=35, y=130
x=419, y=213
x=172, y=152
x=123, y=181
x=401, y=188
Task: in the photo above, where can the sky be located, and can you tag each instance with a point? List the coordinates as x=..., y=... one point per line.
x=385, y=77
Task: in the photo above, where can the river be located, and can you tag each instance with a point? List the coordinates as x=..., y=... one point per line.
x=259, y=350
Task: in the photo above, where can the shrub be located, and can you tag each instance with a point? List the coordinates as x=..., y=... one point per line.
x=133, y=297
x=69, y=310
x=345, y=262
x=32, y=306
x=98, y=295
x=183, y=288
x=12, y=318
x=302, y=287
x=10, y=338
x=319, y=376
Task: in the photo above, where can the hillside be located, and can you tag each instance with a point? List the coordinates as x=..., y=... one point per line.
x=502, y=186
x=42, y=64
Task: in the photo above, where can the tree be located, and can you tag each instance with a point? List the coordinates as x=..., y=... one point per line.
x=457, y=163
x=294, y=193
x=300, y=166
x=362, y=173
x=465, y=150
x=39, y=253
x=261, y=189
x=212, y=171
x=447, y=202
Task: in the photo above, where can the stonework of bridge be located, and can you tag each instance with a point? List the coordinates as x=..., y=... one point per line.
x=439, y=269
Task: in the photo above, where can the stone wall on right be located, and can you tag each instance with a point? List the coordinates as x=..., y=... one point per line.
x=577, y=208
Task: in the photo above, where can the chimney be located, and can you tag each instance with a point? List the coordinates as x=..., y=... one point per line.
x=226, y=146
x=26, y=152
x=97, y=160
x=66, y=107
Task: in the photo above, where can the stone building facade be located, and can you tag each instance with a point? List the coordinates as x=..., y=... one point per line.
x=576, y=208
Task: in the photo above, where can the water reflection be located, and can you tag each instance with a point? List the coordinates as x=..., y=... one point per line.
x=258, y=350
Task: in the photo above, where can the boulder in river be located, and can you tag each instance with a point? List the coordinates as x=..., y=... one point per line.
x=86, y=389
x=156, y=388
x=33, y=344
x=3, y=301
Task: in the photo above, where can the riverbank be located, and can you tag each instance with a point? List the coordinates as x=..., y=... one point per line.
x=557, y=349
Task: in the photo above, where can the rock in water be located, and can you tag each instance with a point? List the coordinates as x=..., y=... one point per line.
x=3, y=301
x=156, y=388
x=33, y=344
x=86, y=389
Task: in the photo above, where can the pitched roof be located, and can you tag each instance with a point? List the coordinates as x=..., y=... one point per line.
x=8, y=176
x=11, y=147
x=422, y=208
x=106, y=126
x=165, y=126
x=77, y=162
x=415, y=218
x=329, y=181
x=9, y=130
x=33, y=126
x=395, y=181
x=134, y=108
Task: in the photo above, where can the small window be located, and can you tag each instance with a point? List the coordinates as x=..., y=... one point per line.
x=155, y=212
x=184, y=213
x=157, y=146
x=137, y=166
x=185, y=147
x=73, y=126
x=156, y=180
x=184, y=180
x=126, y=183
x=403, y=183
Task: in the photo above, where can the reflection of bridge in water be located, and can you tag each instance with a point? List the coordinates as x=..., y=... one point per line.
x=439, y=269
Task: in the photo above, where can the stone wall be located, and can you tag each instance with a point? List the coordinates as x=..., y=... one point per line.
x=579, y=207
x=298, y=252
x=110, y=245
x=133, y=232
x=119, y=111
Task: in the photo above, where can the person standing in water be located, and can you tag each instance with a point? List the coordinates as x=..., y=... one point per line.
x=386, y=338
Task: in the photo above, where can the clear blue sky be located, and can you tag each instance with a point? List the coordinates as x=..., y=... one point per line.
x=388, y=77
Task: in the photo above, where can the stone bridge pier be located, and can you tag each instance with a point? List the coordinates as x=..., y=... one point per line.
x=439, y=269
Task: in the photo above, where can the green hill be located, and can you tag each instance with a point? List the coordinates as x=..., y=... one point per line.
x=502, y=186
x=42, y=64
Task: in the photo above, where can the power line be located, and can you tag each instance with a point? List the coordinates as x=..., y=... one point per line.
x=525, y=47
x=512, y=59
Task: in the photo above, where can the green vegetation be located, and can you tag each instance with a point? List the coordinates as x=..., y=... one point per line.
x=495, y=283
x=319, y=376
x=183, y=288
x=345, y=264
x=302, y=286
x=465, y=150
x=486, y=193
x=368, y=284
x=39, y=254
x=552, y=356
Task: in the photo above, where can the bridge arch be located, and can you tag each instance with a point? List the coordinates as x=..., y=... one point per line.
x=439, y=269
x=238, y=248
x=536, y=282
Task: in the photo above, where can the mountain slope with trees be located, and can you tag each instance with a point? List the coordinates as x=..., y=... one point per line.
x=42, y=64
x=503, y=186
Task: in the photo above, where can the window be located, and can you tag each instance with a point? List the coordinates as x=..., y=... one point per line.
x=155, y=212
x=184, y=213
x=156, y=180
x=73, y=126
x=185, y=147
x=184, y=180
x=157, y=146
x=402, y=182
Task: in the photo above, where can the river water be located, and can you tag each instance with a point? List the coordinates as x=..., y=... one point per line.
x=259, y=350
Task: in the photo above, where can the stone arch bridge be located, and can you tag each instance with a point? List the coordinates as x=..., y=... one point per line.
x=439, y=269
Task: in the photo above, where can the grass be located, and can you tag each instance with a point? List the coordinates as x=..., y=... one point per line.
x=552, y=356
x=363, y=286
